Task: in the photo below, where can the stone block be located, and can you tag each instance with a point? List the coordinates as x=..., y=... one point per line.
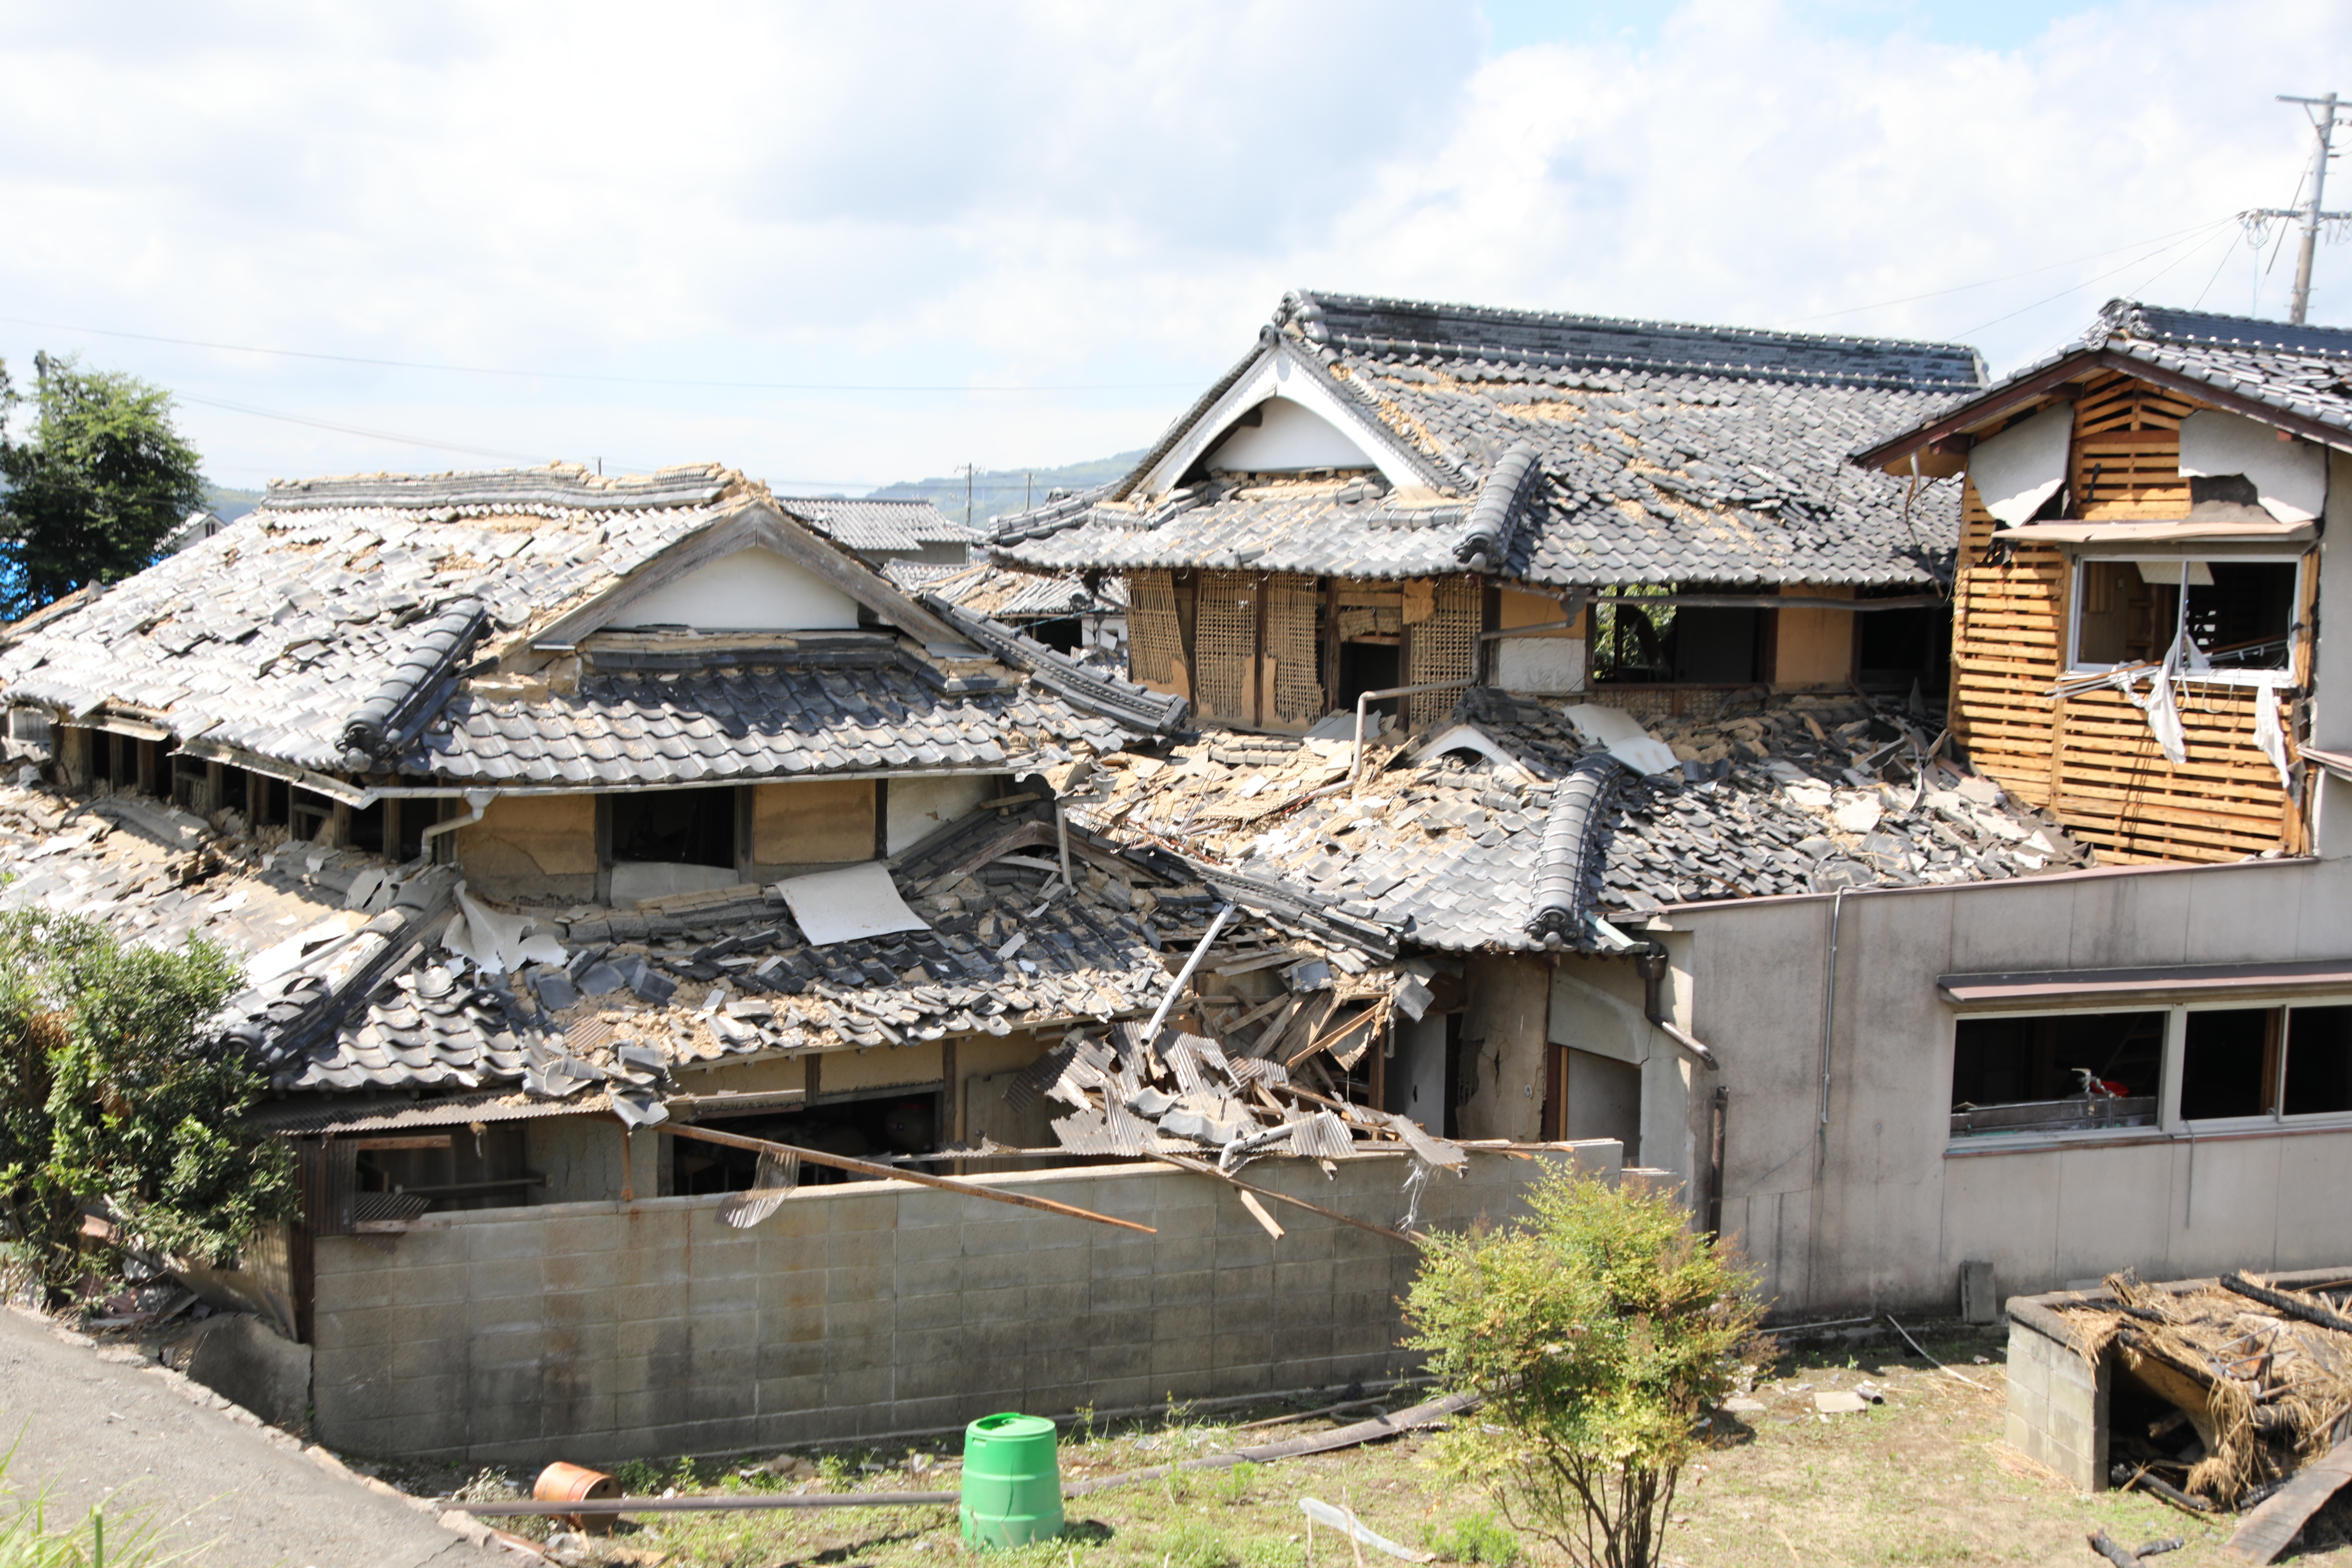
x=499, y=1278
x=501, y=1241
x=1184, y=1289
x=239, y=1359
x=1172, y=1357
x=599, y=1271
x=571, y=1235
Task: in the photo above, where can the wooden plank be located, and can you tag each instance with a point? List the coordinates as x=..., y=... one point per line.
x=413, y=1141
x=898, y=1174
x=2281, y=1516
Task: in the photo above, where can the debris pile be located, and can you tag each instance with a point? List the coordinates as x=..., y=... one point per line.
x=1446, y=841
x=2248, y=1383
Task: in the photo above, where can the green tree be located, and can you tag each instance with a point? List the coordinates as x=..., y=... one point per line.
x=1598, y=1334
x=100, y=479
x=115, y=1090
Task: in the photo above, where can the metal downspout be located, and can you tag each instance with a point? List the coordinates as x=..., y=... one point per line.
x=478, y=799
x=1363, y=706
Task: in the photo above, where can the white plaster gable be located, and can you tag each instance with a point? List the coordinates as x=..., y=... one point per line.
x=1308, y=403
x=751, y=589
x=1288, y=437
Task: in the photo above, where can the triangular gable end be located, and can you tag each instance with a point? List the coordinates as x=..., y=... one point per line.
x=1302, y=423
x=730, y=568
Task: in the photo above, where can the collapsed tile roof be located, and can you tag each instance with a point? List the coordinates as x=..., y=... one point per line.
x=360, y=981
x=830, y=704
x=880, y=526
x=1558, y=450
x=1010, y=596
x=359, y=627
x=2298, y=376
x=1504, y=830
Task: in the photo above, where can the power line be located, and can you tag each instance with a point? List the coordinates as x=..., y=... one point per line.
x=2323, y=125
x=2086, y=282
x=2005, y=277
x=582, y=375
x=432, y=445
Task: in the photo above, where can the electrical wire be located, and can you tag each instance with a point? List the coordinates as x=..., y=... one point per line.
x=2086, y=282
x=2005, y=277
x=582, y=375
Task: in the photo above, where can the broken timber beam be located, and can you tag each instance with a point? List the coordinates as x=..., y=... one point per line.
x=898, y=1174
x=1200, y=1168
x=2278, y=1517
x=2293, y=1305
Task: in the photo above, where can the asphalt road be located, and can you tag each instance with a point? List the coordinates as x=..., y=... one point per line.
x=95, y=1431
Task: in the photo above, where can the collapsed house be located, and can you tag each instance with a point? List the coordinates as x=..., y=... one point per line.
x=2003, y=965
x=1384, y=494
x=1063, y=612
x=888, y=532
x=591, y=845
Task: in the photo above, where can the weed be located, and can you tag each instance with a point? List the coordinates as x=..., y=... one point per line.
x=836, y=1471
x=1085, y=1423
x=1195, y=1545
x=1475, y=1538
x=637, y=1477
x=1232, y=1488
x=27, y=1541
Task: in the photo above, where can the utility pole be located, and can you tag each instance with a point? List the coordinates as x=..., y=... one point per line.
x=968, y=471
x=2324, y=121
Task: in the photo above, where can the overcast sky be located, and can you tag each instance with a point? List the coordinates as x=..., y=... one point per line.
x=837, y=246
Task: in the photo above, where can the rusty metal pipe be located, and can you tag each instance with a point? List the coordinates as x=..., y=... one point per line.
x=1650, y=965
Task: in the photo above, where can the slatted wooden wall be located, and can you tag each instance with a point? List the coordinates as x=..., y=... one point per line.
x=1293, y=647
x=1443, y=622
x=2092, y=759
x=1155, y=641
x=1225, y=646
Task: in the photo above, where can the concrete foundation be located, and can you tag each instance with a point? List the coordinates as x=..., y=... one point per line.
x=595, y=1331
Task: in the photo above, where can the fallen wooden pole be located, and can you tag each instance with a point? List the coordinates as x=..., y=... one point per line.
x=898, y=1174
x=724, y=1504
x=1200, y=1168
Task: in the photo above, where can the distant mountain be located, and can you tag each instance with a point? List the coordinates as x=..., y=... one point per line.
x=997, y=490
x=228, y=503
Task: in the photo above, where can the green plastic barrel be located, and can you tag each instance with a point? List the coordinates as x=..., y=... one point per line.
x=1011, y=1481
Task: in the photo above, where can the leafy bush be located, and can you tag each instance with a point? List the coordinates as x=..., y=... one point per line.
x=1478, y=1538
x=1598, y=1336
x=115, y=1089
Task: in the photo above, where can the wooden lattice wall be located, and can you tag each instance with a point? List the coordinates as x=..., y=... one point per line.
x=2091, y=758
x=1225, y=646
x=1155, y=640
x=1293, y=647
x=1441, y=619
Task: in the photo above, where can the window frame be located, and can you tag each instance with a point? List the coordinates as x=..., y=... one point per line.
x=2170, y=1122
x=2084, y=555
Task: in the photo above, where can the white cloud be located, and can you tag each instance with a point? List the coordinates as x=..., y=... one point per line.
x=1044, y=194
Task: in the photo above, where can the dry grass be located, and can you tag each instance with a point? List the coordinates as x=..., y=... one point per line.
x=1918, y=1481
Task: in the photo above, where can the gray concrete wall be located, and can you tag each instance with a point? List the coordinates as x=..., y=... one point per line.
x=1879, y=1210
x=594, y=1331
x=2057, y=1406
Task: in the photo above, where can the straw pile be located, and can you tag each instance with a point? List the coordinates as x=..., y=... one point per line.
x=2262, y=1376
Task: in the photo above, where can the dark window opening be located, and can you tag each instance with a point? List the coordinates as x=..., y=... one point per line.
x=233, y=795
x=2057, y=1072
x=676, y=826
x=268, y=800
x=413, y=817
x=2241, y=613
x=1897, y=648
x=102, y=755
x=2319, y=1061
x=1701, y=645
x=1367, y=666
x=367, y=828
x=2229, y=1061
x=308, y=816
x=894, y=1122
x=476, y=1170
x=1063, y=635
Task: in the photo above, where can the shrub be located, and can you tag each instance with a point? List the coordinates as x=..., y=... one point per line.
x=115, y=1089
x=1598, y=1335
x=1478, y=1538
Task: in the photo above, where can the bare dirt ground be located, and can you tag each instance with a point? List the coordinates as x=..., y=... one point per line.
x=1920, y=1480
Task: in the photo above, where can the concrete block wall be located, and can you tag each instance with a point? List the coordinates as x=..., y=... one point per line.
x=596, y=1332
x=2057, y=1403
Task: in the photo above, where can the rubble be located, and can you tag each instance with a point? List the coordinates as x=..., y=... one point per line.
x=1445, y=842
